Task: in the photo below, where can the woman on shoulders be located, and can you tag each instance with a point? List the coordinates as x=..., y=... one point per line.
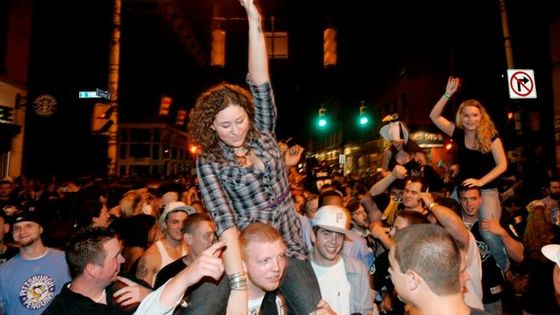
x=405, y=152
x=243, y=178
x=402, y=150
x=480, y=155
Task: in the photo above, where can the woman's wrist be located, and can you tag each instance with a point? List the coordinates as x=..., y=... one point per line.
x=447, y=95
x=238, y=281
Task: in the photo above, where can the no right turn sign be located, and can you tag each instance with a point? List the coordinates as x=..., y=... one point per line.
x=521, y=83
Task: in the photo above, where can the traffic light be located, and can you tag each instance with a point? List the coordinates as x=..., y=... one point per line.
x=322, y=121
x=181, y=115
x=164, y=105
x=218, y=57
x=101, y=118
x=329, y=47
x=6, y=114
x=363, y=119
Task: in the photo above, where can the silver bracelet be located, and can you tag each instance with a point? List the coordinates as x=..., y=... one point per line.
x=238, y=281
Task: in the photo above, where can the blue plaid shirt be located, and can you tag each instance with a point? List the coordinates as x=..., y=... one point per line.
x=237, y=196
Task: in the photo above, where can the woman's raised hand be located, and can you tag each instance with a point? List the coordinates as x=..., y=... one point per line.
x=453, y=84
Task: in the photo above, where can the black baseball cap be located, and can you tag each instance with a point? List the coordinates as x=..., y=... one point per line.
x=26, y=216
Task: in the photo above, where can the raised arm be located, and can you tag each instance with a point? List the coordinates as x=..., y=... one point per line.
x=399, y=172
x=435, y=115
x=448, y=219
x=258, y=59
x=163, y=300
x=207, y=264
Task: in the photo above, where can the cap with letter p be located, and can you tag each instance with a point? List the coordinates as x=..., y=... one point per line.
x=333, y=218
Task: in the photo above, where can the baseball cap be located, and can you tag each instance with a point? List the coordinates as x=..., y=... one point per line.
x=175, y=206
x=394, y=131
x=552, y=252
x=26, y=216
x=333, y=218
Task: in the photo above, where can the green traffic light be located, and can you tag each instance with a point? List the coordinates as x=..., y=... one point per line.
x=363, y=120
x=322, y=122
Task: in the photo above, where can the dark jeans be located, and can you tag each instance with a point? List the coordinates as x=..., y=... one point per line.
x=299, y=287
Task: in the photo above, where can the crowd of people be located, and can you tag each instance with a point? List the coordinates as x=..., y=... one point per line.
x=251, y=234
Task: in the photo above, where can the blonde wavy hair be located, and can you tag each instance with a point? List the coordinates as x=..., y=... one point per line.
x=486, y=130
x=207, y=106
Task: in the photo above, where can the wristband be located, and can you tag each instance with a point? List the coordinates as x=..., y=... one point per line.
x=446, y=95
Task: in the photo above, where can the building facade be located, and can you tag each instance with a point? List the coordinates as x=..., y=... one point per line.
x=15, y=34
x=153, y=150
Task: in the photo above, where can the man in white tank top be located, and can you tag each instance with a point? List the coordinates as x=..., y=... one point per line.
x=169, y=248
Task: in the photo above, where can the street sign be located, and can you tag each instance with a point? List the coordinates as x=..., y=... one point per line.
x=88, y=94
x=104, y=94
x=521, y=83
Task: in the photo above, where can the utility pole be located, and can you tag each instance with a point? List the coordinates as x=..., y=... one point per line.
x=510, y=65
x=113, y=88
x=507, y=36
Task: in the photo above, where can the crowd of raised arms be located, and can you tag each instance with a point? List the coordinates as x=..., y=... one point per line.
x=251, y=233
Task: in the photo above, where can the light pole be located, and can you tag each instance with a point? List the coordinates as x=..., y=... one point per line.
x=113, y=88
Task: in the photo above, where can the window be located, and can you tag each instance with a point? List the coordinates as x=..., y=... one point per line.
x=122, y=151
x=277, y=45
x=140, y=150
x=155, y=151
x=140, y=135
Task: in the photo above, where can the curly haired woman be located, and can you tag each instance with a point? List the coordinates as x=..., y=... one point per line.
x=480, y=156
x=242, y=176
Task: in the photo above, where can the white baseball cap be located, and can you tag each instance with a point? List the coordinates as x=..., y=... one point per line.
x=552, y=252
x=394, y=131
x=175, y=206
x=333, y=218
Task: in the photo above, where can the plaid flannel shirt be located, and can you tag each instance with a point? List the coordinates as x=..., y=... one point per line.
x=237, y=196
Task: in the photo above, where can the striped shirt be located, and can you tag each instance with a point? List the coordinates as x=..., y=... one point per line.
x=237, y=196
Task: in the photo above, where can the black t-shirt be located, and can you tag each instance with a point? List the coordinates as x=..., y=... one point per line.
x=492, y=278
x=168, y=272
x=71, y=303
x=473, y=163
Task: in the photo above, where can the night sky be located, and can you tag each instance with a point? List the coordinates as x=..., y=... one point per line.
x=376, y=41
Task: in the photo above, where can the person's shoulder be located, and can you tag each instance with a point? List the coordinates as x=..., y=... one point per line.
x=10, y=263
x=178, y=264
x=151, y=251
x=352, y=264
x=55, y=252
